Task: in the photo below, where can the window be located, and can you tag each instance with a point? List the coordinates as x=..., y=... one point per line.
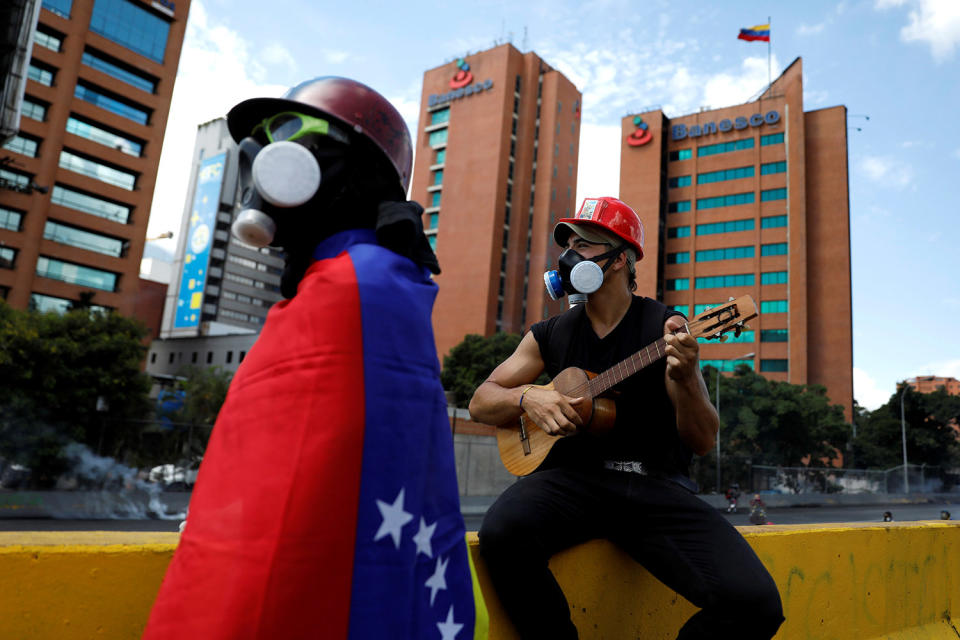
x=209, y=357
x=773, y=306
x=33, y=110
x=10, y=219
x=724, y=174
x=773, y=277
x=681, y=154
x=678, y=232
x=773, y=194
x=132, y=26
x=773, y=138
x=8, y=256
x=438, y=177
x=775, y=249
x=99, y=98
x=98, y=171
x=119, y=71
x=90, y=204
x=700, y=308
x=730, y=226
x=102, y=136
x=435, y=199
x=193, y=357
x=726, y=365
x=88, y=240
x=738, y=280
x=677, y=207
x=773, y=167
x=433, y=242
x=153, y=357
x=59, y=7
x=441, y=156
x=48, y=40
x=773, y=221
x=47, y=304
x=440, y=116
x=434, y=220
x=76, y=274
x=41, y=74
x=229, y=357
x=679, y=181
x=680, y=257
x=21, y=145
x=773, y=365
x=678, y=284
x=727, y=253
x=171, y=358
x=745, y=336
x=725, y=201
x=15, y=179
x=682, y=308
x=438, y=137
x=724, y=147
x=774, y=335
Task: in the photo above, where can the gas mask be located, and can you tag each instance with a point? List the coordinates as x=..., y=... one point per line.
x=301, y=159
x=576, y=274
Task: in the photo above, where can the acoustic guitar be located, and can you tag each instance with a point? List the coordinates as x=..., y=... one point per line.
x=523, y=444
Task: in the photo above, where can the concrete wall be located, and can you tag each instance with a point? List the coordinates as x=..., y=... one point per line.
x=866, y=582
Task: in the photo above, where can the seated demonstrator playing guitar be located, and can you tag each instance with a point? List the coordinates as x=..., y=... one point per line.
x=632, y=485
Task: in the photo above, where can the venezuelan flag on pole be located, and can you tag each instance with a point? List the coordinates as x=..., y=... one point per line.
x=327, y=502
x=757, y=32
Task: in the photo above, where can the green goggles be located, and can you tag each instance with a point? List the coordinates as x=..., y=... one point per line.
x=292, y=126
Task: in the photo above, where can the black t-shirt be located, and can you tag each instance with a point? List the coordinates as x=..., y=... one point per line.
x=646, y=425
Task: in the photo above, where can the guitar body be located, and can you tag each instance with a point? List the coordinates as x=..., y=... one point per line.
x=523, y=444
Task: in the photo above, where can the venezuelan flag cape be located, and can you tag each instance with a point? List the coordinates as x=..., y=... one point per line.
x=326, y=505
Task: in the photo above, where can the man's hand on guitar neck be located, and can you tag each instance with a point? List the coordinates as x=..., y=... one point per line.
x=552, y=411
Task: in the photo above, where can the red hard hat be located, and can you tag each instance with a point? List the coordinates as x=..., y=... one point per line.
x=351, y=103
x=610, y=214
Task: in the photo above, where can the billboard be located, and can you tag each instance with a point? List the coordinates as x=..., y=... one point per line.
x=196, y=253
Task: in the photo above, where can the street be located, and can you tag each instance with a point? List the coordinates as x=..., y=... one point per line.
x=784, y=515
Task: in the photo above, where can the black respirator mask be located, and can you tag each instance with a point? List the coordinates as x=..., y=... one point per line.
x=576, y=274
x=289, y=164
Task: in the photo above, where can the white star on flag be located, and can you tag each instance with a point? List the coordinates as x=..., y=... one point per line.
x=394, y=517
x=438, y=580
x=449, y=629
x=422, y=539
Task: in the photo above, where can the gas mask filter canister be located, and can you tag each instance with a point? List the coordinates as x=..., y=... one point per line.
x=576, y=274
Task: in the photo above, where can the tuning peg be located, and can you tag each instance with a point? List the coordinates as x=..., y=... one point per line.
x=731, y=299
x=737, y=330
x=724, y=338
x=746, y=327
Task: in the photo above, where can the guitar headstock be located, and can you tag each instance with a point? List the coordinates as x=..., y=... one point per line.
x=724, y=318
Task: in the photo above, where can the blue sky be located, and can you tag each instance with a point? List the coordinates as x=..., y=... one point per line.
x=896, y=61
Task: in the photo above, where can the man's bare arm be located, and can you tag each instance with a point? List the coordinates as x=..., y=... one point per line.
x=498, y=399
x=697, y=420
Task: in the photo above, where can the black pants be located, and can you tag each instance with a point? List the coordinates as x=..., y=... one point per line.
x=681, y=540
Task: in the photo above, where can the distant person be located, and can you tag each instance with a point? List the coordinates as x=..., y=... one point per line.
x=327, y=505
x=887, y=516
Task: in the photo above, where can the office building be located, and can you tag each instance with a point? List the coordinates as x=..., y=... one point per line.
x=78, y=178
x=751, y=199
x=495, y=167
x=929, y=384
x=220, y=285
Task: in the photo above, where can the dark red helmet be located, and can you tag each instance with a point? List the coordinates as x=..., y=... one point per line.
x=353, y=104
x=613, y=215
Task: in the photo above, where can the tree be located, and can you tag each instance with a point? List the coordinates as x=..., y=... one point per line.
x=772, y=423
x=73, y=376
x=929, y=420
x=204, y=391
x=470, y=362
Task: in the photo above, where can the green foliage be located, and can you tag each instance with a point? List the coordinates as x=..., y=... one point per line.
x=773, y=423
x=927, y=417
x=470, y=362
x=55, y=370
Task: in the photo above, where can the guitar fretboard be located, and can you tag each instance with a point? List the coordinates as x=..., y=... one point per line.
x=626, y=368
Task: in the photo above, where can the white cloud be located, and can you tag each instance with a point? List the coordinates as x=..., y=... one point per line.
x=336, y=57
x=887, y=171
x=867, y=392
x=941, y=368
x=598, y=171
x=217, y=70
x=810, y=30
x=277, y=54
x=956, y=154
x=934, y=22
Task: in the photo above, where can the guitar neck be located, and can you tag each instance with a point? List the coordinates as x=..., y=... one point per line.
x=626, y=368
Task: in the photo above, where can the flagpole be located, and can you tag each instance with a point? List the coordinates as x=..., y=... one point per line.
x=769, y=72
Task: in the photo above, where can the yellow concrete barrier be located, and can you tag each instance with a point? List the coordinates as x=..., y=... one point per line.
x=862, y=581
